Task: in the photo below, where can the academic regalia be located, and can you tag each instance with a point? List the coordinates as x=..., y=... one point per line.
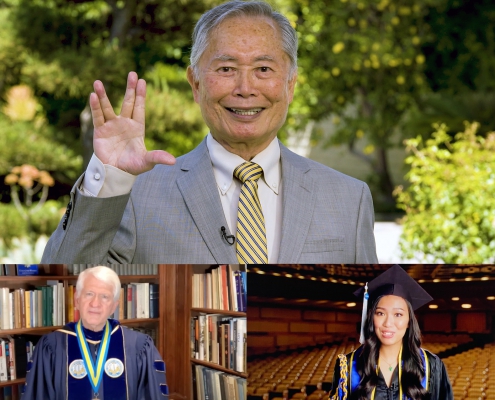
x=438, y=383
x=395, y=281
x=139, y=375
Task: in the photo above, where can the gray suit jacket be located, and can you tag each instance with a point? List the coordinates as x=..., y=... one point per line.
x=174, y=215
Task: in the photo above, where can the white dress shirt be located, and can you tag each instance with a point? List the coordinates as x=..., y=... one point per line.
x=103, y=180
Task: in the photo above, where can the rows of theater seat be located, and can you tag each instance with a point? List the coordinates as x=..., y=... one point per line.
x=299, y=370
x=307, y=374
x=472, y=373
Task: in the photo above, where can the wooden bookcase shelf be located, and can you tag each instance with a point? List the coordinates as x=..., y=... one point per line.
x=218, y=367
x=13, y=383
x=173, y=324
x=40, y=330
x=60, y=273
x=194, y=311
x=222, y=312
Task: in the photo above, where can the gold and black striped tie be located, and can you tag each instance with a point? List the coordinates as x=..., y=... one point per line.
x=251, y=235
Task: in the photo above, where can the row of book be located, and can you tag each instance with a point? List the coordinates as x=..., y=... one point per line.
x=137, y=300
x=220, y=339
x=221, y=288
x=46, y=305
x=18, y=269
x=210, y=384
x=42, y=306
x=15, y=352
x=76, y=269
x=13, y=392
x=120, y=269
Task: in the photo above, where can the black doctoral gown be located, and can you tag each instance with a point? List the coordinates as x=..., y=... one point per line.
x=438, y=384
x=144, y=369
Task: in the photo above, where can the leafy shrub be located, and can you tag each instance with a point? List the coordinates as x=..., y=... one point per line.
x=450, y=203
x=11, y=223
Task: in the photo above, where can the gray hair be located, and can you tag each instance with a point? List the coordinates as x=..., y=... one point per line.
x=237, y=8
x=103, y=274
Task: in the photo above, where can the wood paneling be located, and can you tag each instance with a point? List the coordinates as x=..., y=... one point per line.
x=474, y=322
x=175, y=306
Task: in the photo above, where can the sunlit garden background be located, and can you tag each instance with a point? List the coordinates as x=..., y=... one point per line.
x=398, y=93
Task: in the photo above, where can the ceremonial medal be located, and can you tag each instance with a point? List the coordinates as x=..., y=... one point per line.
x=94, y=370
x=114, y=368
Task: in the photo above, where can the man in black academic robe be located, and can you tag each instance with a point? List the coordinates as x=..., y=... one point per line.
x=144, y=370
x=96, y=358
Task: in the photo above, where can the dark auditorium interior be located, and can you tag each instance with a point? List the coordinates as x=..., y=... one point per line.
x=300, y=317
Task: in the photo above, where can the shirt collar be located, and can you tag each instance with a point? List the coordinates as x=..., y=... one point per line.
x=224, y=163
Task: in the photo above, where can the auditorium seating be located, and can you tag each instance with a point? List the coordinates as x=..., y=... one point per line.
x=307, y=373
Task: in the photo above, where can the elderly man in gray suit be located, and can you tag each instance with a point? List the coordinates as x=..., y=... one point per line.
x=240, y=196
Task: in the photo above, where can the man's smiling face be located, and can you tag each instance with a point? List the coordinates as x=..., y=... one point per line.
x=244, y=85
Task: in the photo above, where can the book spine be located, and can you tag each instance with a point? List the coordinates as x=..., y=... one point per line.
x=242, y=275
x=17, y=309
x=70, y=303
x=3, y=362
x=77, y=314
x=121, y=304
x=49, y=311
x=27, y=304
x=201, y=337
x=146, y=300
x=154, y=293
x=129, y=301
x=225, y=292
x=61, y=303
x=20, y=355
x=232, y=289
x=12, y=360
x=22, y=295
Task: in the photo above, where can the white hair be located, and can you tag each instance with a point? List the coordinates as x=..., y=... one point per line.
x=236, y=8
x=103, y=274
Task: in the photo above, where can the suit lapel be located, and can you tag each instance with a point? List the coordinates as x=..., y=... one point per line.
x=200, y=193
x=298, y=205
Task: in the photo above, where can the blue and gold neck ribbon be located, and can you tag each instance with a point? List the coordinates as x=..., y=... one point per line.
x=94, y=369
x=354, y=377
x=424, y=380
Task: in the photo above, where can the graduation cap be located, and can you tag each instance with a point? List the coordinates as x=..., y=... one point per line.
x=394, y=281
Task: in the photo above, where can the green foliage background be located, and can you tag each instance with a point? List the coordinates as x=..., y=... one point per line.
x=385, y=70
x=450, y=205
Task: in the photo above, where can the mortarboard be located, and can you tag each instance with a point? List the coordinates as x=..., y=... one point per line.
x=394, y=281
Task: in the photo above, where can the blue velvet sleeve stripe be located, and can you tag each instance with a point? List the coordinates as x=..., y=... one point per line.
x=159, y=365
x=164, y=389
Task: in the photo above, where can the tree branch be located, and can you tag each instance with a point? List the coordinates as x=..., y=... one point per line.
x=44, y=196
x=17, y=202
x=360, y=155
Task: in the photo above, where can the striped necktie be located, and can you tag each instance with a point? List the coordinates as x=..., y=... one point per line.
x=251, y=236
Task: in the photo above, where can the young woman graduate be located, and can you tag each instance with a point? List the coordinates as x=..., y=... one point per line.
x=390, y=364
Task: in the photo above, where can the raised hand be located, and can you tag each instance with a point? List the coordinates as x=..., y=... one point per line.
x=119, y=139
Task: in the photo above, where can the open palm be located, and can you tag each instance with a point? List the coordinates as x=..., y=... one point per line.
x=119, y=139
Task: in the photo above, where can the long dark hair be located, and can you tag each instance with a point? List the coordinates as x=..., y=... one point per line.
x=412, y=369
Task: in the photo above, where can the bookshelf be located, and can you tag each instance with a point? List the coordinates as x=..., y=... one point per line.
x=61, y=274
x=173, y=324
x=214, y=313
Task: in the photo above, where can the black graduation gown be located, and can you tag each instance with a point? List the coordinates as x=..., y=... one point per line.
x=438, y=385
x=47, y=378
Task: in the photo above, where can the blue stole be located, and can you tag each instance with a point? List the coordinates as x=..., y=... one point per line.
x=114, y=375
x=355, y=378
